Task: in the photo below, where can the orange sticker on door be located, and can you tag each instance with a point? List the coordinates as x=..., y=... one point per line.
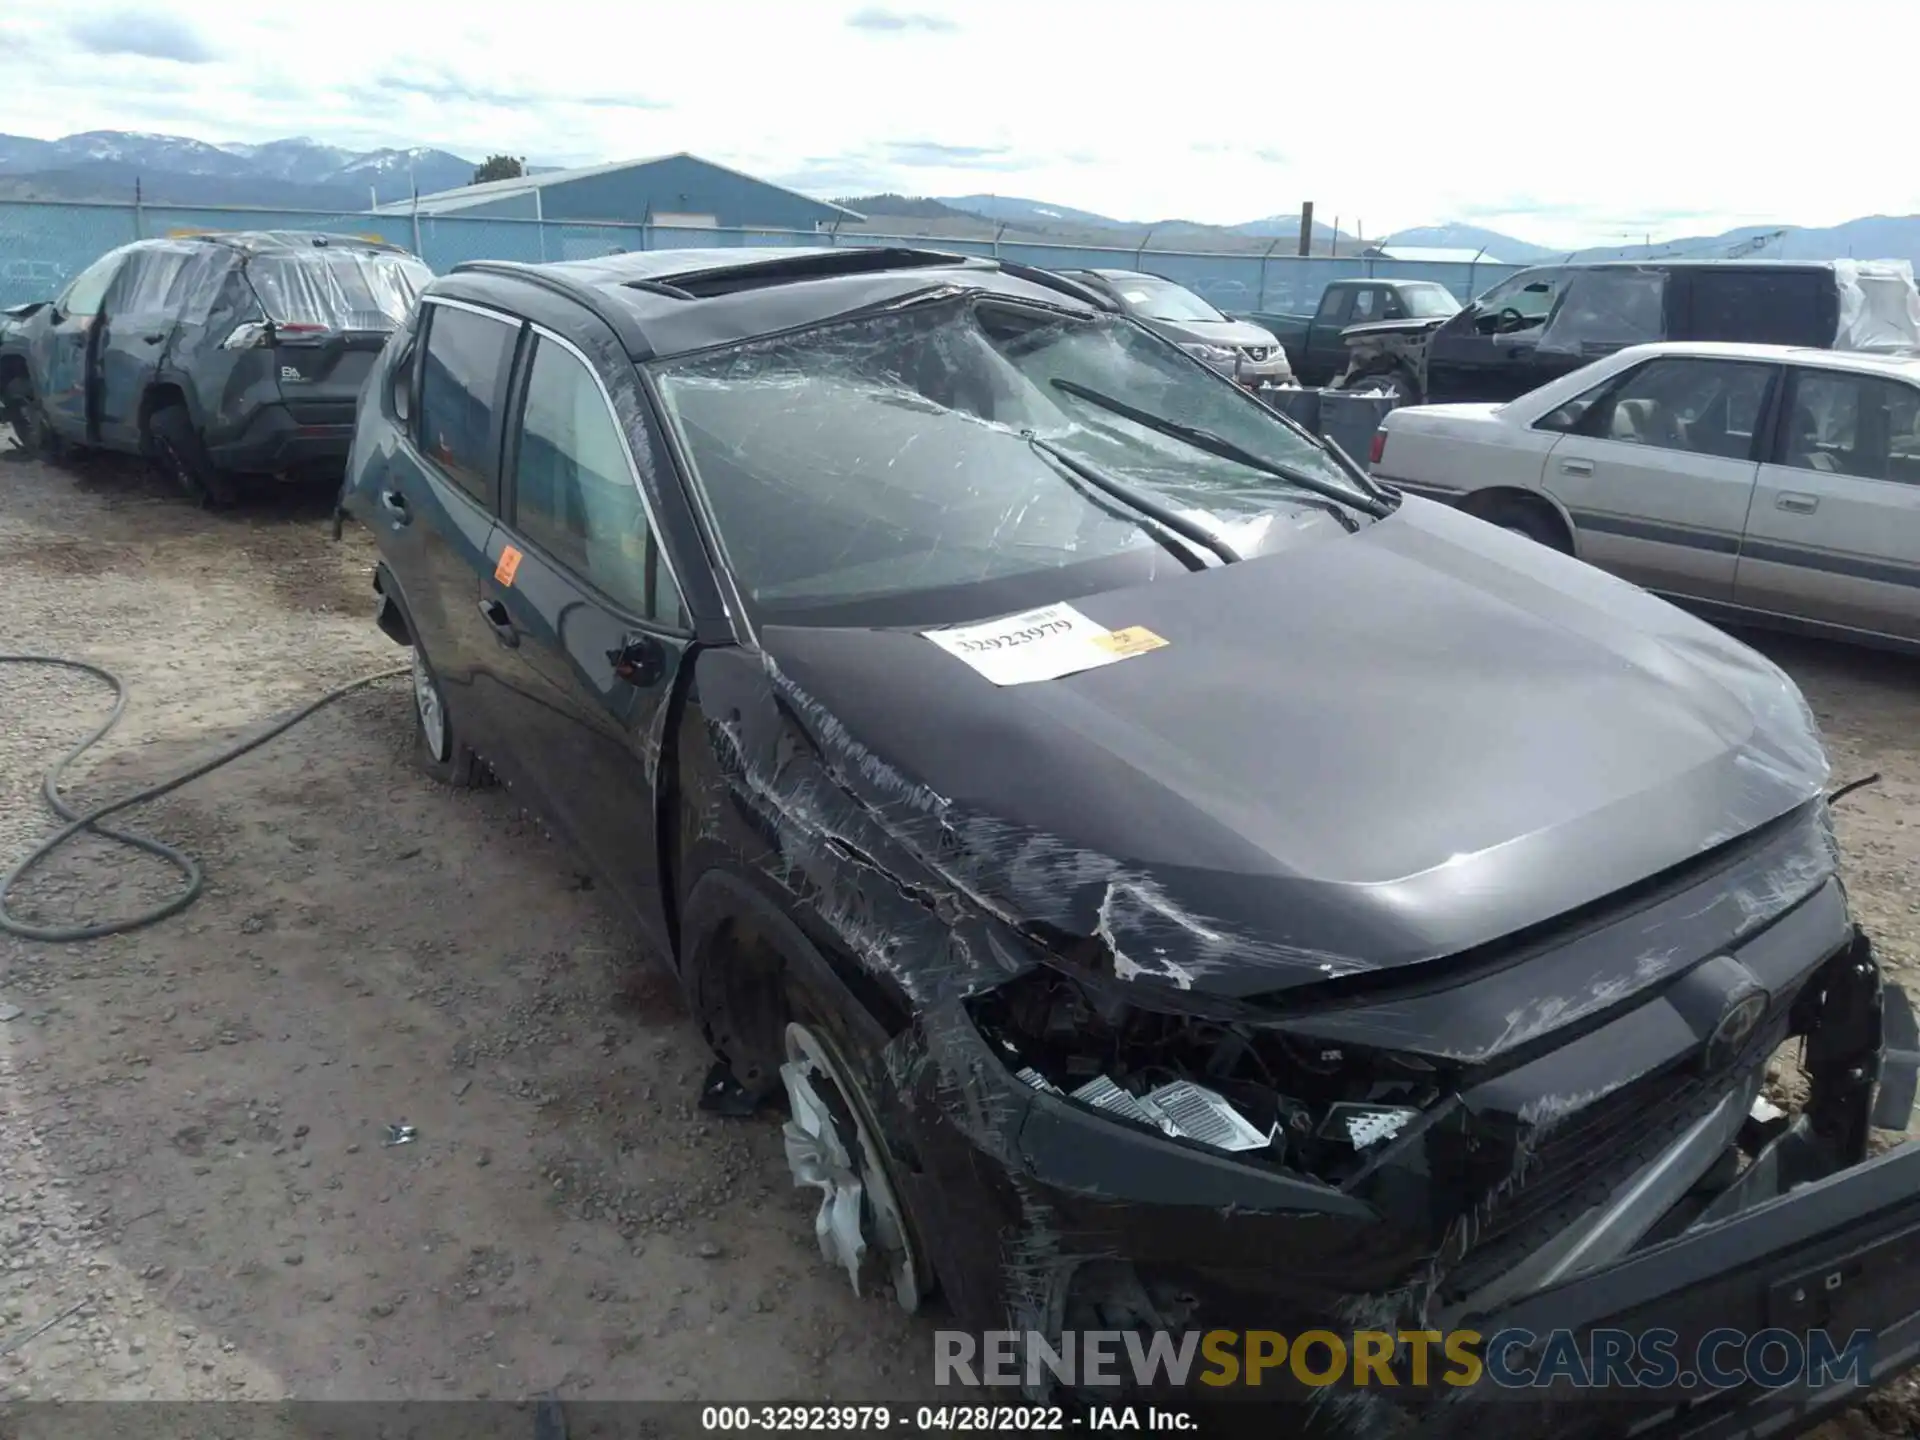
x=508, y=567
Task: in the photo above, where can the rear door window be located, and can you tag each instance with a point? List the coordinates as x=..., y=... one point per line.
x=462, y=383
x=1858, y=425
x=1758, y=307
x=196, y=285
x=143, y=285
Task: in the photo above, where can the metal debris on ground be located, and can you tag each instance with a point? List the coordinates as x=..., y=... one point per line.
x=10, y=1012
x=400, y=1135
x=721, y=1094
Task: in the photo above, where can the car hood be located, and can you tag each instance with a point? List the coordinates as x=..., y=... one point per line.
x=1366, y=753
x=1393, y=327
x=1215, y=332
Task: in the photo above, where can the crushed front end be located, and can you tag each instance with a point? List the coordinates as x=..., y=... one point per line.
x=1591, y=1124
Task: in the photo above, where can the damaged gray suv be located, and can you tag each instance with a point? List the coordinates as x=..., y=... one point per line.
x=1173, y=881
x=216, y=356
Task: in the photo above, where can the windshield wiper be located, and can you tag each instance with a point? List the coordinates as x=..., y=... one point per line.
x=1175, y=533
x=1225, y=449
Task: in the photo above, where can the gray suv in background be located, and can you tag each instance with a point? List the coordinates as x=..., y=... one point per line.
x=217, y=356
x=1235, y=348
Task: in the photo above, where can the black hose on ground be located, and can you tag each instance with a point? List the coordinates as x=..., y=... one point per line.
x=77, y=823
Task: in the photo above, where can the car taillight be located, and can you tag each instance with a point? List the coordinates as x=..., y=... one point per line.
x=1379, y=447
x=256, y=333
x=246, y=337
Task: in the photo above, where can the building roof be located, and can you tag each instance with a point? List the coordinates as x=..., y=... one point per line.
x=1432, y=254
x=467, y=196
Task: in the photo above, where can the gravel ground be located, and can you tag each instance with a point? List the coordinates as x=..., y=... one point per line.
x=192, y=1117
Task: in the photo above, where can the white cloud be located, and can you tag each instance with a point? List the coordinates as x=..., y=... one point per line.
x=1559, y=122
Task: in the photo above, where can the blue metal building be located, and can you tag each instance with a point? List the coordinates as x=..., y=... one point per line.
x=672, y=190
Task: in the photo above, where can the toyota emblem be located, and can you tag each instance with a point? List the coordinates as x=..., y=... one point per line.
x=1736, y=1026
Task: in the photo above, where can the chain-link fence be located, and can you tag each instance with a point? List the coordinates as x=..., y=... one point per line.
x=43, y=244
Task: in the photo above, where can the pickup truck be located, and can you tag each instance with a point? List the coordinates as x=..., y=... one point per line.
x=1316, y=344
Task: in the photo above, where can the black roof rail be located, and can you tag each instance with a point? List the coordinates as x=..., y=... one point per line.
x=1061, y=281
x=548, y=277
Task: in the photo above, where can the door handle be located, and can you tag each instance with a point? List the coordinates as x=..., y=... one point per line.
x=395, y=504
x=1577, y=467
x=1799, y=504
x=495, y=614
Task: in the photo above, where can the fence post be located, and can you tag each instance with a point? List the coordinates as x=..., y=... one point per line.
x=139, y=211
x=1260, y=299
x=1140, y=254
x=996, y=239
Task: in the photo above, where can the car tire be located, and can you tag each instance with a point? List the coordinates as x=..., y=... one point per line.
x=1534, y=521
x=438, y=751
x=21, y=409
x=834, y=1143
x=177, y=449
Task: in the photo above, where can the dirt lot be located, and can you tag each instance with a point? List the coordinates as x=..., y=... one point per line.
x=192, y=1117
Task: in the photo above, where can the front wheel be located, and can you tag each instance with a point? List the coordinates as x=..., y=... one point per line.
x=832, y=1146
x=1533, y=521
x=20, y=407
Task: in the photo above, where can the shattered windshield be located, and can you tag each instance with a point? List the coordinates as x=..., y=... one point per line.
x=338, y=289
x=1157, y=299
x=893, y=454
x=1428, y=301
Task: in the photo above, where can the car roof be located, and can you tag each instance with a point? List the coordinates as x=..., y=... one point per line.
x=670, y=302
x=1773, y=266
x=1907, y=366
x=271, y=242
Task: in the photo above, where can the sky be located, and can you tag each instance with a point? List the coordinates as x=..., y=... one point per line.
x=1562, y=122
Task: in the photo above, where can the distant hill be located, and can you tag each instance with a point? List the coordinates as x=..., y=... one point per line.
x=305, y=174
x=1473, y=237
x=1029, y=214
x=906, y=207
x=174, y=169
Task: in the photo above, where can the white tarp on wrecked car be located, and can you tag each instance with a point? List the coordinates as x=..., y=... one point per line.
x=1879, y=305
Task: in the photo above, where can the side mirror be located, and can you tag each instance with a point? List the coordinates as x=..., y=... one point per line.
x=641, y=660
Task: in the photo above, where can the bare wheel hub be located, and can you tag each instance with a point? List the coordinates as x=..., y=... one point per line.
x=433, y=716
x=860, y=1225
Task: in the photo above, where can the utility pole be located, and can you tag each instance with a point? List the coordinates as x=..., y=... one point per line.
x=1306, y=228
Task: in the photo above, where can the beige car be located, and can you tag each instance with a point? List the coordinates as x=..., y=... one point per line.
x=1763, y=483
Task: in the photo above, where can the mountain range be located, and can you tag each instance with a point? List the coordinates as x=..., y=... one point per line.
x=307, y=174
x=175, y=170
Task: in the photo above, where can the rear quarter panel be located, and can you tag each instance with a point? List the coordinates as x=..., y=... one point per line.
x=1427, y=447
